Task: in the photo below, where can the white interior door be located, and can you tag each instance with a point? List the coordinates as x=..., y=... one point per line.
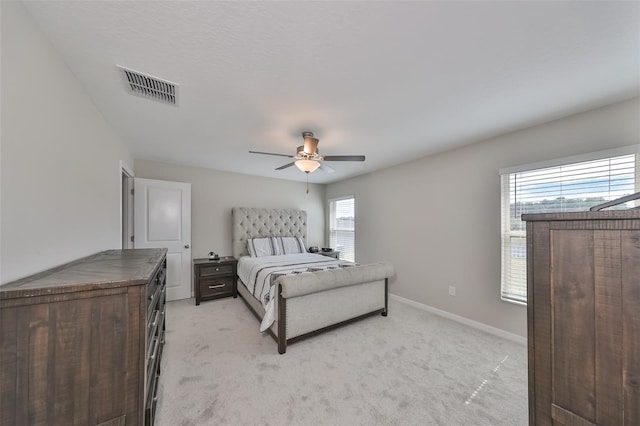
x=163, y=219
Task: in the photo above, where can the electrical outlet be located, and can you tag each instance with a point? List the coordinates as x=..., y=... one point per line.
x=452, y=290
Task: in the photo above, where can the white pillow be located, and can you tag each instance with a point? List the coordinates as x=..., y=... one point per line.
x=292, y=245
x=267, y=246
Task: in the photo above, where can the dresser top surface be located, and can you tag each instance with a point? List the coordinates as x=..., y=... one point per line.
x=588, y=215
x=106, y=269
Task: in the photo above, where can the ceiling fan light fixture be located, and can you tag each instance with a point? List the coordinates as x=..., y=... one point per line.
x=307, y=166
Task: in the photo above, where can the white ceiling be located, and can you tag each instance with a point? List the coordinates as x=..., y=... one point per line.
x=391, y=80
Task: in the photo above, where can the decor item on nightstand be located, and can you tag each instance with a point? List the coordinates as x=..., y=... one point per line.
x=213, y=256
x=214, y=279
x=327, y=251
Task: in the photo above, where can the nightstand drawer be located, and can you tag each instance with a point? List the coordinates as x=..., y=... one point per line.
x=215, y=269
x=216, y=286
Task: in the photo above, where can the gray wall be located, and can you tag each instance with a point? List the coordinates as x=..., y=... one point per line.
x=214, y=193
x=60, y=164
x=438, y=218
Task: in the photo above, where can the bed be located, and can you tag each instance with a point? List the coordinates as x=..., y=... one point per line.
x=298, y=294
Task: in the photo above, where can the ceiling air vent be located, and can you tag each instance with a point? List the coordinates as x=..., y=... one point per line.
x=149, y=87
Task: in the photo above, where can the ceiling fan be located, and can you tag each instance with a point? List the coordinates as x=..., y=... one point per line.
x=308, y=158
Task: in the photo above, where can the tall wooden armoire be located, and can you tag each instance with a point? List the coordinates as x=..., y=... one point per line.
x=583, y=274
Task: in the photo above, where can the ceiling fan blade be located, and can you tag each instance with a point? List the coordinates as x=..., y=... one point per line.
x=285, y=166
x=310, y=145
x=326, y=168
x=271, y=153
x=343, y=158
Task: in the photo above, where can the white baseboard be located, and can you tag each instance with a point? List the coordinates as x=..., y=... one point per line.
x=466, y=321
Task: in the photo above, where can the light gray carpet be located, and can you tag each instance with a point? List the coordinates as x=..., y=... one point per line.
x=410, y=368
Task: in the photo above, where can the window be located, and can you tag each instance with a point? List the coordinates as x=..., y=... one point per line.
x=342, y=227
x=565, y=185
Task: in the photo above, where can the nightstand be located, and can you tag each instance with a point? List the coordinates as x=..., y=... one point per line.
x=214, y=279
x=334, y=254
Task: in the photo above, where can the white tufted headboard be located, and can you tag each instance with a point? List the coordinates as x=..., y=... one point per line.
x=255, y=223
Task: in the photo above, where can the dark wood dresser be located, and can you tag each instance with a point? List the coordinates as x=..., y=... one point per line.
x=214, y=279
x=81, y=343
x=583, y=274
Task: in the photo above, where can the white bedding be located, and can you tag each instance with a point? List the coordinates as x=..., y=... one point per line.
x=259, y=275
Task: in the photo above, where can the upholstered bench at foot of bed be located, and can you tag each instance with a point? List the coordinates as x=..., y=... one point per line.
x=308, y=303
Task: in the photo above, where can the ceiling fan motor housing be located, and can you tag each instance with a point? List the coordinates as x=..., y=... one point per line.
x=302, y=154
x=310, y=144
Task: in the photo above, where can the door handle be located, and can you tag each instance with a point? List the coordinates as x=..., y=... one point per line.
x=186, y=246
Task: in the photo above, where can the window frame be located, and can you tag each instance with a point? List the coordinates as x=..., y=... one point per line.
x=505, y=200
x=330, y=219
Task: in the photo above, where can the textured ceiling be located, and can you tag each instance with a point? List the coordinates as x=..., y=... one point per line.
x=391, y=80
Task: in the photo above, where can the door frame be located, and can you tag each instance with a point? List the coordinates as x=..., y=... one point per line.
x=126, y=205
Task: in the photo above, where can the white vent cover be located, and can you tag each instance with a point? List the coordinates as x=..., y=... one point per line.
x=147, y=86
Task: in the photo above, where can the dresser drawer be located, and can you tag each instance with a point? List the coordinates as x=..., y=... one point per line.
x=215, y=269
x=154, y=324
x=216, y=286
x=155, y=285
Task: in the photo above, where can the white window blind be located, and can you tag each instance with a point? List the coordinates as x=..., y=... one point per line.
x=575, y=186
x=342, y=227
